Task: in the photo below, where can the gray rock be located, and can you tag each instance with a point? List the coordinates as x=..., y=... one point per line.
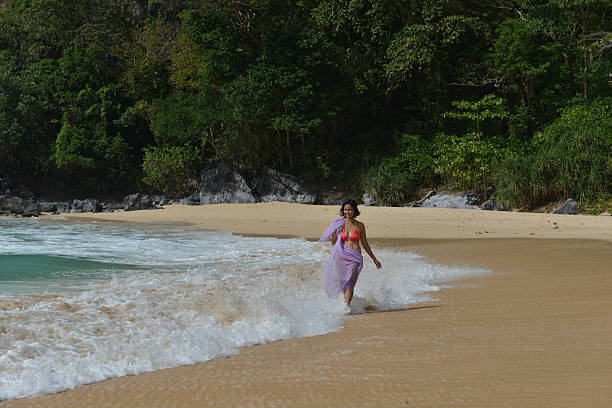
x=367, y=200
x=76, y=206
x=47, y=206
x=91, y=205
x=88, y=205
x=464, y=201
x=111, y=206
x=162, y=200
x=275, y=186
x=473, y=198
x=419, y=203
x=193, y=199
x=18, y=206
x=63, y=207
x=221, y=183
x=568, y=207
x=492, y=205
x=333, y=198
x=138, y=201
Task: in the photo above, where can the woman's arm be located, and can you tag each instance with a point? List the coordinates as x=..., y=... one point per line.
x=366, y=246
x=334, y=238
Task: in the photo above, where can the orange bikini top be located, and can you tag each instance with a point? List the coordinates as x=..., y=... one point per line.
x=354, y=235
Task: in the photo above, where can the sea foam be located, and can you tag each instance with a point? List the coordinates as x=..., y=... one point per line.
x=190, y=296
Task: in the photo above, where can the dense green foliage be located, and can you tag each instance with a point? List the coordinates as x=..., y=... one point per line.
x=395, y=179
x=569, y=158
x=110, y=95
x=170, y=169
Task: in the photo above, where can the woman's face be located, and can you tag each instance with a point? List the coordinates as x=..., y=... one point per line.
x=349, y=211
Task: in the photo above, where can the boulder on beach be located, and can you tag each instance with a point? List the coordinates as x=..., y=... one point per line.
x=492, y=205
x=88, y=205
x=275, y=186
x=367, y=200
x=419, y=203
x=222, y=183
x=18, y=206
x=466, y=201
x=138, y=201
x=111, y=206
x=193, y=199
x=63, y=207
x=569, y=207
x=47, y=206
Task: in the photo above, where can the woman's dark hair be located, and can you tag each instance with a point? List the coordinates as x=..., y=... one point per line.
x=353, y=204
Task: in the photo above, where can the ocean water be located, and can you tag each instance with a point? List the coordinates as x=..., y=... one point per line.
x=84, y=302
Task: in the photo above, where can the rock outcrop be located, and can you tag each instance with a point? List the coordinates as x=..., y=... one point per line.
x=87, y=205
x=193, y=199
x=419, y=203
x=569, y=207
x=222, y=183
x=139, y=201
x=63, y=207
x=275, y=186
x=367, y=200
x=492, y=205
x=19, y=206
x=465, y=201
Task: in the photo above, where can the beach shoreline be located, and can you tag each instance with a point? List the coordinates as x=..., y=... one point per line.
x=533, y=333
x=307, y=221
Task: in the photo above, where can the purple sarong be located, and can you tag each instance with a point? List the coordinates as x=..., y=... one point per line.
x=343, y=266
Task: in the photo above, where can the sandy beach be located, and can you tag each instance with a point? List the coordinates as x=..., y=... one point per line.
x=535, y=332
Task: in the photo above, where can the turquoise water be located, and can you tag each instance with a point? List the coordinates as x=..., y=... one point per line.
x=42, y=256
x=42, y=268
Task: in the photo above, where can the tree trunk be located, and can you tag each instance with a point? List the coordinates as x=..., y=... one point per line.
x=211, y=140
x=571, y=84
x=289, y=150
x=585, y=68
x=303, y=144
x=585, y=74
x=280, y=148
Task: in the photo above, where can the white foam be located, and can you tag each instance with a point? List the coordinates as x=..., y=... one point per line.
x=205, y=295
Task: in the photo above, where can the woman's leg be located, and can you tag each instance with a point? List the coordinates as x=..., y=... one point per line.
x=350, y=280
x=348, y=295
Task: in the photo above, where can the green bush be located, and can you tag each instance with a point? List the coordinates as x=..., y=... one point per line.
x=468, y=161
x=171, y=169
x=73, y=147
x=569, y=158
x=598, y=203
x=395, y=179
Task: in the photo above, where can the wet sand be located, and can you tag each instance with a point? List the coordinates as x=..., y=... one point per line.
x=536, y=332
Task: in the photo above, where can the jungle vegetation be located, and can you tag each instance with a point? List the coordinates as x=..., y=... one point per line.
x=512, y=97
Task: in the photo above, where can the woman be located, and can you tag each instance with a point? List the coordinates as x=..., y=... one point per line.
x=345, y=263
